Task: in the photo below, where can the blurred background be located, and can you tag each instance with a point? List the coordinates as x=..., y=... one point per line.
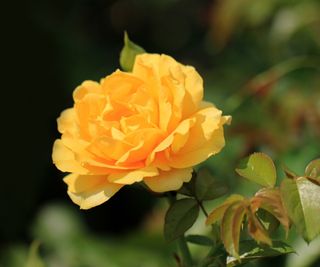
x=260, y=61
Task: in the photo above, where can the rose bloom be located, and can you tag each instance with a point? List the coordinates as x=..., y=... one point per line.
x=147, y=125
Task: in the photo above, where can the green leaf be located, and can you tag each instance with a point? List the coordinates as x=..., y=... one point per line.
x=302, y=201
x=180, y=217
x=200, y=240
x=258, y=168
x=249, y=250
x=219, y=211
x=188, y=189
x=207, y=187
x=231, y=227
x=313, y=171
x=128, y=53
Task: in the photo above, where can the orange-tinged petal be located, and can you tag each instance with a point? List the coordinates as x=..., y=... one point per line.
x=109, y=148
x=90, y=191
x=169, y=180
x=145, y=141
x=182, y=129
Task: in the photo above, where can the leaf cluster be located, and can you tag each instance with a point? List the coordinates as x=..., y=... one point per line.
x=183, y=212
x=295, y=202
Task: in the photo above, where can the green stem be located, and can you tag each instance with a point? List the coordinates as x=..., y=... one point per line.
x=182, y=243
x=202, y=207
x=185, y=252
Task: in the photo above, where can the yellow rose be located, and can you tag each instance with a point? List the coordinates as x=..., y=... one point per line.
x=148, y=125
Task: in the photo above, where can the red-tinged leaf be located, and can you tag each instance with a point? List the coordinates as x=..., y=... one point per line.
x=289, y=174
x=218, y=212
x=239, y=217
x=270, y=200
x=231, y=220
x=256, y=229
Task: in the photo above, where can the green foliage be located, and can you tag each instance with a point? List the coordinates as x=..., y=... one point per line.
x=301, y=198
x=298, y=199
x=312, y=171
x=180, y=217
x=207, y=187
x=258, y=168
x=269, y=200
x=249, y=250
x=199, y=240
x=188, y=189
x=203, y=186
x=128, y=53
x=219, y=211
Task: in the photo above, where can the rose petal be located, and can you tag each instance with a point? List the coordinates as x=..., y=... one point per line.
x=87, y=87
x=65, y=160
x=210, y=147
x=67, y=121
x=182, y=129
x=133, y=176
x=90, y=191
x=169, y=180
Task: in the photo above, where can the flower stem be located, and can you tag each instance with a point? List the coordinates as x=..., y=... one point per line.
x=202, y=207
x=185, y=253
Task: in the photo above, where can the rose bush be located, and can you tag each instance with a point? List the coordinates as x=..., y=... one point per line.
x=147, y=125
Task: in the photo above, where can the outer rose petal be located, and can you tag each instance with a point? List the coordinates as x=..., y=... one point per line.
x=66, y=121
x=169, y=180
x=133, y=176
x=65, y=160
x=90, y=190
x=209, y=148
x=205, y=138
x=195, y=157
